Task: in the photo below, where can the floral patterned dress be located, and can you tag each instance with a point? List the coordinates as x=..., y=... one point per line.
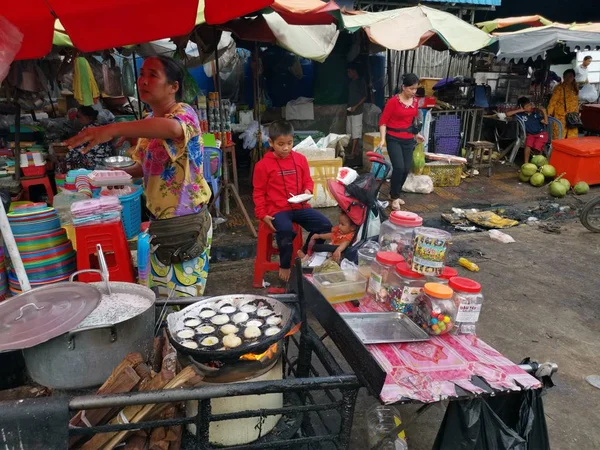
x=174, y=186
x=77, y=160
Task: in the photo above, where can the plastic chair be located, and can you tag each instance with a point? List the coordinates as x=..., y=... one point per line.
x=211, y=179
x=265, y=252
x=548, y=128
x=26, y=183
x=114, y=245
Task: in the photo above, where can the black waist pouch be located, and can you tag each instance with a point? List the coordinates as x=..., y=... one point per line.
x=180, y=239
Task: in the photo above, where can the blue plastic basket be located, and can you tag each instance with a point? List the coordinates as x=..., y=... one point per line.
x=131, y=215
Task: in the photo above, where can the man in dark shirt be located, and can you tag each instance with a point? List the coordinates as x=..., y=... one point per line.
x=535, y=119
x=357, y=95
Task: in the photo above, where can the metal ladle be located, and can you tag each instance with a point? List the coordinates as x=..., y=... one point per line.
x=103, y=267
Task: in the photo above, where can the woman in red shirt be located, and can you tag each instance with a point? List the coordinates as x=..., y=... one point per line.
x=394, y=127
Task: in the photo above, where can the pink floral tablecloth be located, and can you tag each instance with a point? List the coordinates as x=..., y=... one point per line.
x=429, y=371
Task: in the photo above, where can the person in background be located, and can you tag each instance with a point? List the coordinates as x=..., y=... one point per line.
x=564, y=100
x=397, y=131
x=357, y=96
x=535, y=119
x=169, y=156
x=581, y=71
x=587, y=92
x=76, y=159
x=280, y=175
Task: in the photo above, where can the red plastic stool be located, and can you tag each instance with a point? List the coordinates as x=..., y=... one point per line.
x=27, y=182
x=265, y=252
x=114, y=246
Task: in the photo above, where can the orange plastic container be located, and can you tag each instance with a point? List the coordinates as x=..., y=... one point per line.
x=579, y=158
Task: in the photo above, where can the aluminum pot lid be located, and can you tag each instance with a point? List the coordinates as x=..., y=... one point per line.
x=36, y=316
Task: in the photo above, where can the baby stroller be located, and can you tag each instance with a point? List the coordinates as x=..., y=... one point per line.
x=359, y=200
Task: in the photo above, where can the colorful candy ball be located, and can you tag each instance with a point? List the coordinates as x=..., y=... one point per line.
x=434, y=321
x=434, y=314
x=446, y=319
x=435, y=327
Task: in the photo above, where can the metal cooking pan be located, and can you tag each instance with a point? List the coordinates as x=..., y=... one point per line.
x=175, y=323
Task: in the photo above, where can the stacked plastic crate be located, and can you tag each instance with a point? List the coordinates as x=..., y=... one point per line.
x=447, y=134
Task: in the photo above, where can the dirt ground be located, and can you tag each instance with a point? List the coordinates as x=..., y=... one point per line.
x=541, y=301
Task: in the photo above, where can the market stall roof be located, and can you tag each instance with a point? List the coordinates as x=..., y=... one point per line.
x=99, y=24
x=535, y=42
x=409, y=28
x=509, y=23
x=307, y=12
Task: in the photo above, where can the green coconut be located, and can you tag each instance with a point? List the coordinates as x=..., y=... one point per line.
x=528, y=169
x=539, y=160
x=581, y=188
x=537, y=179
x=566, y=183
x=557, y=189
x=523, y=178
x=548, y=171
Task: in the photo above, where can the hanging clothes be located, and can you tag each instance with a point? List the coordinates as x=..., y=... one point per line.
x=85, y=88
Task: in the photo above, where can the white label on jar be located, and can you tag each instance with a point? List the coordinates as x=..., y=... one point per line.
x=375, y=282
x=468, y=313
x=410, y=294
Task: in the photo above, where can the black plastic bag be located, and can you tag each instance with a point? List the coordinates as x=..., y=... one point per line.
x=505, y=422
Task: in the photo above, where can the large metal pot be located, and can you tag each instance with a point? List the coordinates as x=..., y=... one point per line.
x=85, y=358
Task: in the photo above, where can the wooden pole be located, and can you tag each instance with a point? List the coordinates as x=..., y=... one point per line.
x=137, y=89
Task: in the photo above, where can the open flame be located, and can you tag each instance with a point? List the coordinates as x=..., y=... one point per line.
x=271, y=351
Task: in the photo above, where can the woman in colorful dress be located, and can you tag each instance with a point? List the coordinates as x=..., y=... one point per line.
x=76, y=159
x=169, y=156
x=564, y=100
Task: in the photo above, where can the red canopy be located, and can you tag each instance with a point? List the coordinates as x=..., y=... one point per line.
x=100, y=24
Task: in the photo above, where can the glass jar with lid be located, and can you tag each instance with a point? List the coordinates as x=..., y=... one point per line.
x=445, y=276
x=382, y=268
x=434, y=309
x=366, y=258
x=430, y=246
x=468, y=300
x=396, y=233
x=405, y=287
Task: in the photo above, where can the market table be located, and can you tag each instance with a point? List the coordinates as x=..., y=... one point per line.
x=448, y=367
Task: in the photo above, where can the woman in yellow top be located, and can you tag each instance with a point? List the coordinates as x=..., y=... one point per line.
x=564, y=100
x=169, y=156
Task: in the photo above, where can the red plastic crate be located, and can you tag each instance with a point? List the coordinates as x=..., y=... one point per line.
x=579, y=158
x=34, y=171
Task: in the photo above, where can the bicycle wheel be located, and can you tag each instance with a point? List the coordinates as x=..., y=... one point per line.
x=590, y=215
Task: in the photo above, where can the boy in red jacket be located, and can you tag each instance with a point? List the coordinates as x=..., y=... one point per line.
x=281, y=174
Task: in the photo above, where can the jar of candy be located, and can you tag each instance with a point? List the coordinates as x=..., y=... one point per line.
x=445, y=276
x=429, y=251
x=366, y=258
x=396, y=233
x=382, y=268
x=468, y=300
x=434, y=309
x=405, y=288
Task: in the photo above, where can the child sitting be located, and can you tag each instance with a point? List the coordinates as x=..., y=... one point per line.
x=535, y=119
x=340, y=238
x=281, y=174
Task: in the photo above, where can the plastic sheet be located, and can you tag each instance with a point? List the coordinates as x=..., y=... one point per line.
x=10, y=43
x=509, y=422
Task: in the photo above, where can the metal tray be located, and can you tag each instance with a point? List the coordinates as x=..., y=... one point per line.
x=384, y=328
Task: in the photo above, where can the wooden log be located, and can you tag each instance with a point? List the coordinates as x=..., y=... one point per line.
x=137, y=442
x=157, y=353
x=24, y=392
x=152, y=410
x=176, y=443
x=124, y=381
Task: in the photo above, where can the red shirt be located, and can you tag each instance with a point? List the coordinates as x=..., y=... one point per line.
x=397, y=115
x=276, y=179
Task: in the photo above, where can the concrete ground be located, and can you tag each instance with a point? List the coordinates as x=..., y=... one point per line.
x=541, y=301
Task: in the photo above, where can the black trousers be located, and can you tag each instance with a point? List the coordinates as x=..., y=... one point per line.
x=401, y=153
